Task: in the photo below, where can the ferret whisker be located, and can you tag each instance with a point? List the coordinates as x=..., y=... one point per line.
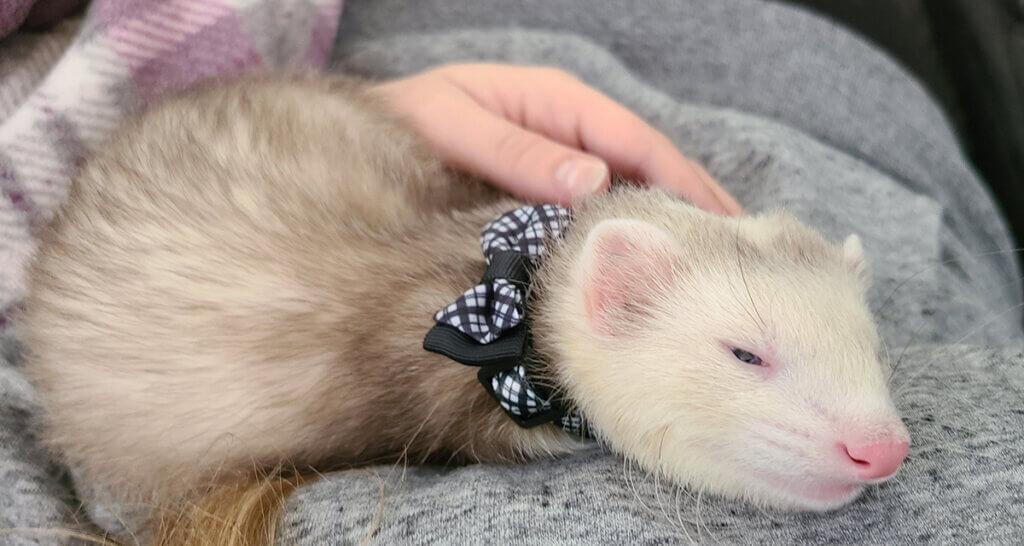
x=656, y=475
x=903, y=353
x=746, y=285
x=735, y=296
x=952, y=394
x=778, y=445
x=683, y=495
x=656, y=483
x=701, y=521
x=987, y=322
x=888, y=359
x=403, y=459
x=631, y=482
x=677, y=520
x=901, y=481
x=680, y=523
x=973, y=331
x=941, y=263
x=969, y=453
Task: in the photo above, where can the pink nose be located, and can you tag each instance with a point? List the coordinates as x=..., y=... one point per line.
x=877, y=460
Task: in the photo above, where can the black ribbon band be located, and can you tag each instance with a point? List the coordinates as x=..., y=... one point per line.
x=501, y=354
x=510, y=349
x=508, y=264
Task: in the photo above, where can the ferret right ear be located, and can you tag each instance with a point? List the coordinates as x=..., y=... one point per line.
x=853, y=258
x=626, y=264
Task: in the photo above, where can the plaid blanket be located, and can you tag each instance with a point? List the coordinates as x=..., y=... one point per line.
x=126, y=52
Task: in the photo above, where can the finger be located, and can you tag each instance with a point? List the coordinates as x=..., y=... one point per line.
x=667, y=168
x=565, y=109
x=524, y=163
x=732, y=206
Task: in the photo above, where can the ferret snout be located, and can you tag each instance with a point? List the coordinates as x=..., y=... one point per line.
x=875, y=457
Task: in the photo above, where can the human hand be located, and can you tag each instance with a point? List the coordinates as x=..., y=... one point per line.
x=542, y=134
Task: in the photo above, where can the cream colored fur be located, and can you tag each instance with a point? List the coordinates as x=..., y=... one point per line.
x=668, y=393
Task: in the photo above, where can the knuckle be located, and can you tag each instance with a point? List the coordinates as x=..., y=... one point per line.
x=515, y=148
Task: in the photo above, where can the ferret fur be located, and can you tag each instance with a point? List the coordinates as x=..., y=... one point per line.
x=243, y=278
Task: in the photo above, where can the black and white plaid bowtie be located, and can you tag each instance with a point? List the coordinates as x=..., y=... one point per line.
x=488, y=309
x=484, y=327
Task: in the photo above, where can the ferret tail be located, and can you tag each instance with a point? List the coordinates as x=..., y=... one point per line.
x=240, y=513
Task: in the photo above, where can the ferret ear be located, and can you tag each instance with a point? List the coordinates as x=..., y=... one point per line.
x=626, y=264
x=853, y=258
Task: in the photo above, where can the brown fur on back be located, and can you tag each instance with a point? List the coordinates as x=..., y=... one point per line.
x=243, y=279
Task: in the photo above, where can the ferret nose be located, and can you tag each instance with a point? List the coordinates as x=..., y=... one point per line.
x=877, y=460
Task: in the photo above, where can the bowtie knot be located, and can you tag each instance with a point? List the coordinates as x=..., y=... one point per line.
x=486, y=310
x=483, y=327
x=497, y=304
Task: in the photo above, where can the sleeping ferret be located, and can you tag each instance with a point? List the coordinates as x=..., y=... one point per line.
x=243, y=279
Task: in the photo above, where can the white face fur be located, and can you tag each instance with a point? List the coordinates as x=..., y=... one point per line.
x=743, y=362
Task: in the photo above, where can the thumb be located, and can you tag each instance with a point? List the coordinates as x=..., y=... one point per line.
x=475, y=140
x=534, y=167
x=521, y=162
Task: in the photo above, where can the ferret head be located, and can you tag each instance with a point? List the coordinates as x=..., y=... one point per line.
x=733, y=355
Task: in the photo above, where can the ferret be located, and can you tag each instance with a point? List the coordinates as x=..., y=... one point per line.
x=242, y=278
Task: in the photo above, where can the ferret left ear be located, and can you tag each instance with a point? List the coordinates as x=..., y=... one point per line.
x=626, y=264
x=853, y=258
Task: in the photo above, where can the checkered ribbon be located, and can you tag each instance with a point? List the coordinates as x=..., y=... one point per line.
x=496, y=306
x=488, y=309
x=515, y=395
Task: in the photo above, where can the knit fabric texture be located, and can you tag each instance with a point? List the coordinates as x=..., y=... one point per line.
x=785, y=109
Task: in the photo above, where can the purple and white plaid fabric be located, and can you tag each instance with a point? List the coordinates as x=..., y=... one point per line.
x=127, y=54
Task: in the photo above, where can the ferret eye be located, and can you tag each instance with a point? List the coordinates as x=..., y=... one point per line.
x=746, y=357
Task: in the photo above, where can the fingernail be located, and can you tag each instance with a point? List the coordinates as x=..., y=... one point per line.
x=581, y=176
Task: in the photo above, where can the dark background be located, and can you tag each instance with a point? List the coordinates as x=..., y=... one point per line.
x=970, y=56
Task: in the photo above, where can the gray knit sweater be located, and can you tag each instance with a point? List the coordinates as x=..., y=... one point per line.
x=786, y=110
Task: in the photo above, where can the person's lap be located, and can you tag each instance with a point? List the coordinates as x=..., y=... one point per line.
x=832, y=132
